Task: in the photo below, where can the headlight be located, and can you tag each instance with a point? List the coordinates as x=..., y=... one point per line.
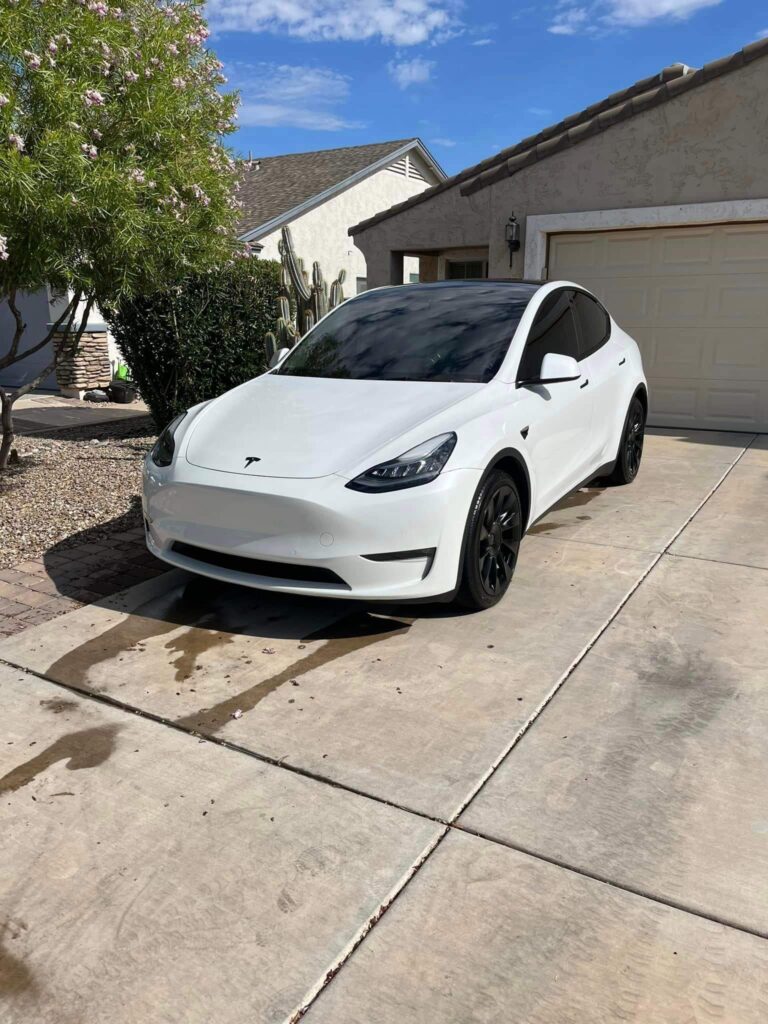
x=417, y=466
x=165, y=446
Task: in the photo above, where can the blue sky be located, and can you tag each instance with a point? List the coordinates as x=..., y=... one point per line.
x=468, y=78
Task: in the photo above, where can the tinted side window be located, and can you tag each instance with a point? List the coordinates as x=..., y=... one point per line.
x=553, y=330
x=594, y=323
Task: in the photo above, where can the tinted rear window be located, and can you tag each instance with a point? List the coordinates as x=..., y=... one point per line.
x=594, y=322
x=445, y=332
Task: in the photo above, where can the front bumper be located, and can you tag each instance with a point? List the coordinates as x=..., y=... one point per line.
x=317, y=524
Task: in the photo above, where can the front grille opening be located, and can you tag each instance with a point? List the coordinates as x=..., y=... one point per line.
x=260, y=567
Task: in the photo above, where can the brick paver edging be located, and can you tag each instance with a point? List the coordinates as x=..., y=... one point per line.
x=39, y=590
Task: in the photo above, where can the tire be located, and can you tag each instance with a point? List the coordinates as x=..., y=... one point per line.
x=494, y=532
x=631, y=445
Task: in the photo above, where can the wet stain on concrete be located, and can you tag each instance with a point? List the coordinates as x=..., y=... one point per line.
x=56, y=706
x=351, y=633
x=678, y=695
x=86, y=748
x=544, y=528
x=575, y=500
x=198, y=605
x=190, y=645
x=15, y=976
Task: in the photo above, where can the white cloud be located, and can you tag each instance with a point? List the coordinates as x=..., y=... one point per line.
x=442, y=142
x=642, y=12
x=482, y=42
x=410, y=72
x=607, y=15
x=762, y=34
x=569, y=21
x=291, y=96
x=539, y=111
x=400, y=22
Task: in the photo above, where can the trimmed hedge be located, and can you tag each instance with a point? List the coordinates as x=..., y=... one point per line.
x=196, y=341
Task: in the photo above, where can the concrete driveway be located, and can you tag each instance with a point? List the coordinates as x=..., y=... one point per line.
x=209, y=796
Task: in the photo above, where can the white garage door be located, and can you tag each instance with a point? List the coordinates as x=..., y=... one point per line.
x=696, y=301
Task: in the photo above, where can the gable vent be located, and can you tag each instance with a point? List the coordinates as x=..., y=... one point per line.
x=414, y=171
x=408, y=167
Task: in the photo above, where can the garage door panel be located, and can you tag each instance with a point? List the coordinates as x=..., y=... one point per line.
x=743, y=302
x=695, y=403
x=580, y=254
x=678, y=353
x=731, y=404
x=745, y=245
x=685, y=249
x=672, y=404
x=623, y=252
x=680, y=303
x=627, y=304
x=696, y=301
x=738, y=352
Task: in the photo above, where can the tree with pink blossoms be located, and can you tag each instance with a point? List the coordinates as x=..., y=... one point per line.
x=113, y=174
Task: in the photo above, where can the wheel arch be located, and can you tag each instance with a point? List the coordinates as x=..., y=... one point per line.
x=511, y=461
x=641, y=392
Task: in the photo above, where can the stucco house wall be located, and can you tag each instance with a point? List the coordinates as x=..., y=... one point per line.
x=322, y=233
x=35, y=309
x=705, y=145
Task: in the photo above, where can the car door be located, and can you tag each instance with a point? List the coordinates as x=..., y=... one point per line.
x=600, y=365
x=558, y=416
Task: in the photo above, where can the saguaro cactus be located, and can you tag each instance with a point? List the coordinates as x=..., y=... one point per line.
x=300, y=304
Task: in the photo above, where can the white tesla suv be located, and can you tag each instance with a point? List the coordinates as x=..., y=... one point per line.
x=403, y=447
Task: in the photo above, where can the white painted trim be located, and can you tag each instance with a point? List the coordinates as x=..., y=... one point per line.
x=538, y=227
x=261, y=230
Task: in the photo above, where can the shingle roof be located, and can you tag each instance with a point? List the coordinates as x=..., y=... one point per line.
x=275, y=185
x=648, y=92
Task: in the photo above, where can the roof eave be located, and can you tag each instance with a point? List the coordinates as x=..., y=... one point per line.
x=252, y=234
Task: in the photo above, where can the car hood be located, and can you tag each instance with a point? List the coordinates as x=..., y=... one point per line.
x=309, y=426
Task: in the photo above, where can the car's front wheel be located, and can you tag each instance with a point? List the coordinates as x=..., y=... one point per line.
x=631, y=446
x=494, y=531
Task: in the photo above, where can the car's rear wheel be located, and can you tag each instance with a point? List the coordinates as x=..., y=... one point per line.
x=631, y=446
x=494, y=531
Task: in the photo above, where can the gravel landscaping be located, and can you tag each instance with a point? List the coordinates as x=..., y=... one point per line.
x=70, y=485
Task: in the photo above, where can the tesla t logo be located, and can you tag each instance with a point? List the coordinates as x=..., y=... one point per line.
x=250, y=459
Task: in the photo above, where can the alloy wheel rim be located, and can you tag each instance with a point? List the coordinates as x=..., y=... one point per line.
x=634, y=441
x=499, y=539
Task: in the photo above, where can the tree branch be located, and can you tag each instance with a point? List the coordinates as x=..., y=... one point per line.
x=20, y=327
x=12, y=357
x=65, y=350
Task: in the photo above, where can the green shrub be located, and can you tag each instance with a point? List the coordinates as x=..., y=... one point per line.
x=196, y=341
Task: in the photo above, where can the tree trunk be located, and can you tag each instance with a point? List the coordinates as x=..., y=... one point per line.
x=6, y=421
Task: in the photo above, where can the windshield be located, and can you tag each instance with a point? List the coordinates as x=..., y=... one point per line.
x=456, y=331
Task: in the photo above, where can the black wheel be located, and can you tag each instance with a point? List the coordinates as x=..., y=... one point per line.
x=494, y=531
x=631, y=446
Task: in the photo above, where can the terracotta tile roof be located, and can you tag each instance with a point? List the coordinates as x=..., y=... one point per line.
x=275, y=185
x=591, y=121
x=648, y=92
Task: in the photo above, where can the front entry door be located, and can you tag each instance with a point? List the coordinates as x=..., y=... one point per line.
x=560, y=415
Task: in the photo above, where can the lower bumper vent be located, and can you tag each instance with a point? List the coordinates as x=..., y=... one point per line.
x=260, y=567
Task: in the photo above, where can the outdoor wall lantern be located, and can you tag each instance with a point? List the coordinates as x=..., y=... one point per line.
x=512, y=235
